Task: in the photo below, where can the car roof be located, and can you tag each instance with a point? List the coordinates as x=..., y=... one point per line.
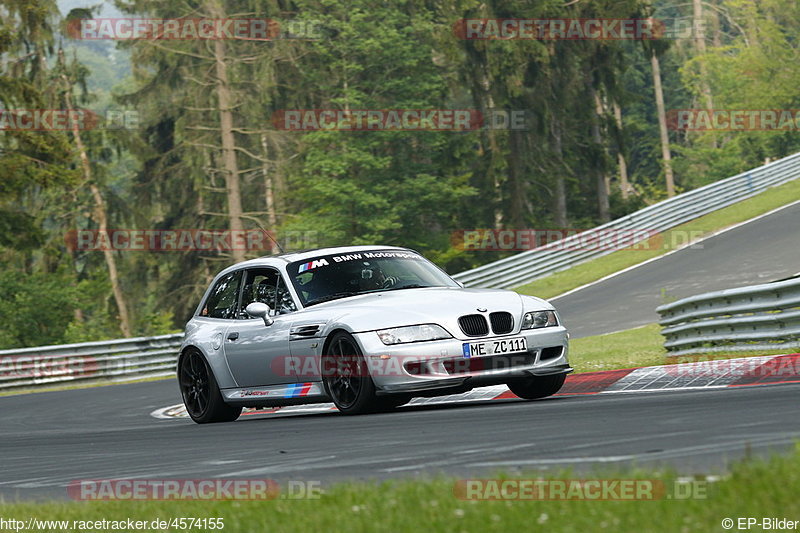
x=316, y=252
x=291, y=257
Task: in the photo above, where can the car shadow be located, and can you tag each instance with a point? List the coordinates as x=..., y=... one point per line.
x=255, y=415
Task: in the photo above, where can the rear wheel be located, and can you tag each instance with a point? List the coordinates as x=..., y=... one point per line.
x=200, y=391
x=537, y=386
x=346, y=377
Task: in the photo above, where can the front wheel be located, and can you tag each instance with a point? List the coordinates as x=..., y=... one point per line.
x=346, y=377
x=200, y=391
x=537, y=386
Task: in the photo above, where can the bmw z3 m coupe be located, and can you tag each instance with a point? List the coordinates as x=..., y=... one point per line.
x=366, y=327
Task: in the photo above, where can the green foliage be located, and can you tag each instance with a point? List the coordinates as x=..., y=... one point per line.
x=401, y=188
x=35, y=309
x=415, y=189
x=755, y=68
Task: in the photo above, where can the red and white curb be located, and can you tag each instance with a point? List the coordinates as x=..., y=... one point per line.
x=723, y=373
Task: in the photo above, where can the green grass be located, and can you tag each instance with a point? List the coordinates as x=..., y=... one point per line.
x=596, y=269
x=755, y=488
x=642, y=346
x=87, y=385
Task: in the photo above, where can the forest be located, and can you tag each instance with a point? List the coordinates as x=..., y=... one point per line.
x=191, y=134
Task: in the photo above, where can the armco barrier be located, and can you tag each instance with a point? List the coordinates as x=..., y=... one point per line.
x=114, y=360
x=525, y=267
x=759, y=317
x=125, y=359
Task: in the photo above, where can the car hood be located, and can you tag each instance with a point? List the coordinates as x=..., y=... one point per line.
x=436, y=305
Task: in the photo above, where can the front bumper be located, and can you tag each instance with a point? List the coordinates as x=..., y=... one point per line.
x=436, y=365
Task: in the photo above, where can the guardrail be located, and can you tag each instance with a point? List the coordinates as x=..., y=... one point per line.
x=759, y=317
x=114, y=360
x=143, y=357
x=527, y=266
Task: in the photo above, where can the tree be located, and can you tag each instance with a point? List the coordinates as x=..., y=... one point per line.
x=662, y=124
x=100, y=209
x=30, y=161
x=393, y=187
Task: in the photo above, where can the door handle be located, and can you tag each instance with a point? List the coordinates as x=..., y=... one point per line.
x=233, y=335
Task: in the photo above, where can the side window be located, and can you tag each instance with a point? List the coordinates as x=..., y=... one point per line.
x=259, y=287
x=285, y=303
x=266, y=285
x=221, y=303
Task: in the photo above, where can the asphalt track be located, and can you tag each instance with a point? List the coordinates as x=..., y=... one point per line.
x=765, y=250
x=50, y=439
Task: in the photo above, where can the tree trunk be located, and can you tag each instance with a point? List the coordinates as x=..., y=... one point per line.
x=487, y=103
x=624, y=186
x=101, y=217
x=662, y=125
x=560, y=204
x=269, y=193
x=518, y=201
x=229, y=163
x=700, y=45
x=716, y=37
x=603, y=208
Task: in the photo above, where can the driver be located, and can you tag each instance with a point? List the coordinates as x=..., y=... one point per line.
x=355, y=276
x=265, y=292
x=372, y=277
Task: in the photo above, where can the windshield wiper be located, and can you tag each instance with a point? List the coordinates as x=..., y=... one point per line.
x=409, y=286
x=333, y=296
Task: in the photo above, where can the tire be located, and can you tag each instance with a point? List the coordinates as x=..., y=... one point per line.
x=537, y=386
x=346, y=378
x=200, y=391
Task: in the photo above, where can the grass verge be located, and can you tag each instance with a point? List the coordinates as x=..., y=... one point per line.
x=86, y=385
x=642, y=346
x=577, y=276
x=755, y=488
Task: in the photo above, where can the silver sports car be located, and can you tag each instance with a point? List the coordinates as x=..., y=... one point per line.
x=367, y=327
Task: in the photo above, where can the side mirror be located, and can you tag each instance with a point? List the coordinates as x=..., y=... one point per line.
x=259, y=310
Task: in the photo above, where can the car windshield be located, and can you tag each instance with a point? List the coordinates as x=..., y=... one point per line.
x=330, y=277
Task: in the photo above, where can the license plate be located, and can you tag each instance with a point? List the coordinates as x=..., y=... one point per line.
x=496, y=347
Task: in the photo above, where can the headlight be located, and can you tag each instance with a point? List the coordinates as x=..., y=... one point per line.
x=539, y=319
x=423, y=332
